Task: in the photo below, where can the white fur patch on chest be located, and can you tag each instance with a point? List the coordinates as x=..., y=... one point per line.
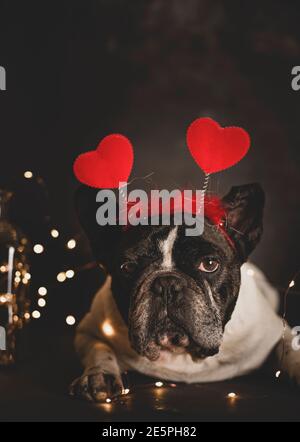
x=166, y=248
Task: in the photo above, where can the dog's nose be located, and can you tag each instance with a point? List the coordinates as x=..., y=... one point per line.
x=167, y=285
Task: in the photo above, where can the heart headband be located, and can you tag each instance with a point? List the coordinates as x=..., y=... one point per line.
x=213, y=148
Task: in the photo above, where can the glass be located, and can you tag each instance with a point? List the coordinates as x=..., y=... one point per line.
x=14, y=284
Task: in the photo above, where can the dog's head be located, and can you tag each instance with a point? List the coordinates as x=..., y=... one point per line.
x=177, y=292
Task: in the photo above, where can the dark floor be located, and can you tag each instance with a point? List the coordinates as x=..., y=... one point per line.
x=37, y=391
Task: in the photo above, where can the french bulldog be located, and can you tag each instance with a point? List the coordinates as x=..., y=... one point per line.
x=176, y=307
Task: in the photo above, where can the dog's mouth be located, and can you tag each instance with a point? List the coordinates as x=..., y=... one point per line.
x=176, y=341
x=153, y=350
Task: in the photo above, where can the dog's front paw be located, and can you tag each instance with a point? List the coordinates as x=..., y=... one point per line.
x=97, y=386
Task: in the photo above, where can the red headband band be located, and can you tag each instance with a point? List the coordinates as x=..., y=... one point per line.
x=213, y=210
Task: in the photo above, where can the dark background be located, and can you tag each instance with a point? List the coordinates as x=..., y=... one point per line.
x=78, y=70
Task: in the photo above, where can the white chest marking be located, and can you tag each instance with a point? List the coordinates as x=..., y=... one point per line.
x=166, y=248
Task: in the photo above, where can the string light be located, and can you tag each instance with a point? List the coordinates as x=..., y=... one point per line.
x=107, y=329
x=38, y=248
x=54, y=233
x=278, y=373
x=42, y=291
x=41, y=302
x=36, y=314
x=28, y=174
x=61, y=277
x=24, y=277
x=71, y=244
x=125, y=391
x=159, y=384
x=108, y=400
x=232, y=395
x=291, y=284
x=70, y=320
x=70, y=273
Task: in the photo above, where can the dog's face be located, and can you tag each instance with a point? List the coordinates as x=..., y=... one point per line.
x=177, y=292
x=180, y=289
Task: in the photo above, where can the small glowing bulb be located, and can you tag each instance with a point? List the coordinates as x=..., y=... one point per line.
x=231, y=395
x=36, y=314
x=41, y=302
x=107, y=329
x=38, y=248
x=291, y=284
x=61, y=277
x=27, y=276
x=28, y=174
x=18, y=273
x=277, y=374
x=71, y=244
x=27, y=315
x=70, y=273
x=126, y=391
x=24, y=280
x=42, y=291
x=54, y=233
x=2, y=298
x=3, y=269
x=159, y=384
x=15, y=318
x=18, y=279
x=70, y=320
x=108, y=400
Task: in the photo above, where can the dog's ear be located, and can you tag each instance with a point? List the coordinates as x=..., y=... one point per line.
x=244, y=206
x=103, y=239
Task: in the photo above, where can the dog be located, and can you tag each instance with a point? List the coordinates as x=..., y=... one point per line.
x=180, y=308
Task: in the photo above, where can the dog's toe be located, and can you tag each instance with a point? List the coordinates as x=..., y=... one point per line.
x=98, y=387
x=114, y=385
x=80, y=388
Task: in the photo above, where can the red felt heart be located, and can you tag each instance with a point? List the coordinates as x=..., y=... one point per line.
x=215, y=148
x=108, y=165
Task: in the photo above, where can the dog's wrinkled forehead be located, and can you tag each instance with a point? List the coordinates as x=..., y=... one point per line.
x=162, y=243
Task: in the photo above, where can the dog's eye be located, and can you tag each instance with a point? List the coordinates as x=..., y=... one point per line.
x=128, y=267
x=209, y=265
